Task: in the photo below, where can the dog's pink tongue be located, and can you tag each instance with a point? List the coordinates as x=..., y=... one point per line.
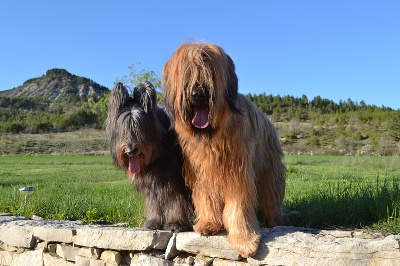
x=200, y=119
x=134, y=165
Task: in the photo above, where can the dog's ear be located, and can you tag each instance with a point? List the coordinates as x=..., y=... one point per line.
x=146, y=95
x=169, y=93
x=232, y=86
x=169, y=108
x=119, y=98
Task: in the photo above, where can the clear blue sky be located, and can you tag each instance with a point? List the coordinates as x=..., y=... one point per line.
x=335, y=49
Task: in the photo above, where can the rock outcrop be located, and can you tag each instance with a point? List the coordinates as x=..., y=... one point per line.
x=56, y=84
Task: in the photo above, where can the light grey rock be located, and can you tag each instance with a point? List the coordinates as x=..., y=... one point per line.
x=111, y=256
x=67, y=252
x=28, y=258
x=82, y=261
x=93, y=253
x=5, y=247
x=50, y=259
x=17, y=234
x=299, y=246
x=6, y=257
x=146, y=260
x=22, y=232
x=95, y=262
x=221, y=262
x=216, y=246
x=62, y=232
x=41, y=246
x=200, y=260
x=121, y=238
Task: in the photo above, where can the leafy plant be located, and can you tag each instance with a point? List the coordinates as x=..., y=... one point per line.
x=135, y=76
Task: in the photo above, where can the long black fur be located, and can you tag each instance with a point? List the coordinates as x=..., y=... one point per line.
x=137, y=128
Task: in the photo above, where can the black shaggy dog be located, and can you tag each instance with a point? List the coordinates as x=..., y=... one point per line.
x=142, y=143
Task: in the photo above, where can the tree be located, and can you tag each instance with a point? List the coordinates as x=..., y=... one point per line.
x=394, y=126
x=313, y=140
x=81, y=118
x=135, y=77
x=304, y=100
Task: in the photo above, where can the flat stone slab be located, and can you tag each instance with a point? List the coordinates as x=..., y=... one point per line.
x=121, y=238
x=18, y=233
x=216, y=246
x=22, y=232
x=56, y=231
x=290, y=245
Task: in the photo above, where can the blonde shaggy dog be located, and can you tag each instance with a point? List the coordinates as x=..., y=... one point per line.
x=232, y=154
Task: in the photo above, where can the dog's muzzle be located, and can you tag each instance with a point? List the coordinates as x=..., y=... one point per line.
x=198, y=97
x=200, y=109
x=134, y=159
x=132, y=151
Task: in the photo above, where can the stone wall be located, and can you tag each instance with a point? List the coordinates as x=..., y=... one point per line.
x=41, y=242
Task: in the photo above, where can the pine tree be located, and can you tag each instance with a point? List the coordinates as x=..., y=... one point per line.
x=394, y=126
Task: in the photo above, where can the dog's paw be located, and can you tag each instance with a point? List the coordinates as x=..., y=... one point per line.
x=176, y=227
x=245, y=246
x=152, y=224
x=207, y=228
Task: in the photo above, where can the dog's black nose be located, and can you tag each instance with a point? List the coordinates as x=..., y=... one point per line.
x=198, y=94
x=132, y=151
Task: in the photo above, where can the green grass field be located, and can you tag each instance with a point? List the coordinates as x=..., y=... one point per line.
x=69, y=187
x=327, y=191
x=343, y=191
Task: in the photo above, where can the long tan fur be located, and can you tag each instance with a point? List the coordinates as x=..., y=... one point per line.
x=234, y=164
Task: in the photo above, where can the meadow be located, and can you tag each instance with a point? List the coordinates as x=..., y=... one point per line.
x=344, y=192
x=87, y=188
x=322, y=191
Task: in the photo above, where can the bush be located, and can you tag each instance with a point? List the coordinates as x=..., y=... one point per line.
x=12, y=127
x=79, y=119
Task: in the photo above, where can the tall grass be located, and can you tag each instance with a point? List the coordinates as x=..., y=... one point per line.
x=327, y=191
x=356, y=192
x=88, y=188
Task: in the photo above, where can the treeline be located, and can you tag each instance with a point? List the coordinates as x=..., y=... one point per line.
x=321, y=126
x=289, y=107
x=318, y=126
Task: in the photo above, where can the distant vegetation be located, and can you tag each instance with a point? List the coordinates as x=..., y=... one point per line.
x=38, y=115
x=306, y=126
x=317, y=126
x=321, y=126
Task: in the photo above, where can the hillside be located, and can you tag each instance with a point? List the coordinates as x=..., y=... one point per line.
x=60, y=102
x=56, y=102
x=56, y=84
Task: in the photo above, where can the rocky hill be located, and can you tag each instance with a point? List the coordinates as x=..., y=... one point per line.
x=56, y=84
